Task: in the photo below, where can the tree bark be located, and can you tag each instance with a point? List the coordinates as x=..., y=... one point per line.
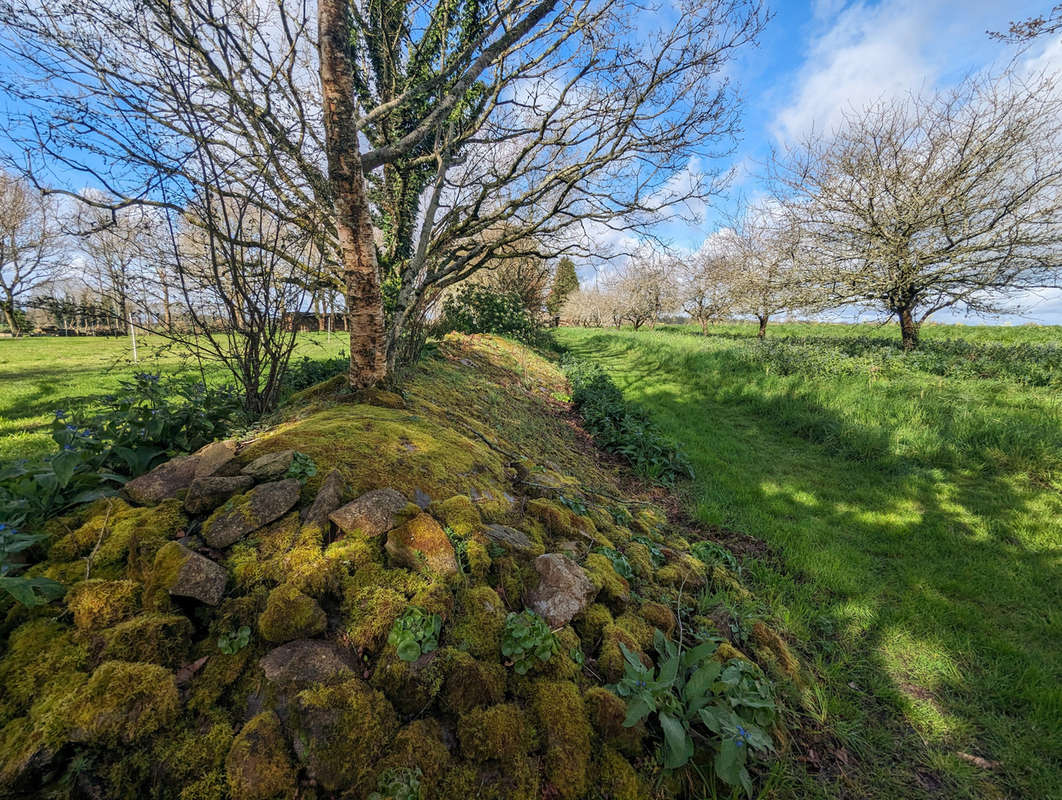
x=908, y=329
x=9, y=315
x=763, y=326
x=368, y=363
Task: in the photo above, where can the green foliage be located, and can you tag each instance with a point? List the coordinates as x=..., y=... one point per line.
x=619, y=561
x=655, y=553
x=527, y=641
x=573, y=504
x=460, y=546
x=400, y=783
x=302, y=467
x=480, y=309
x=712, y=553
x=27, y=591
x=621, y=428
x=565, y=281
x=232, y=643
x=307, y=372
x=414, y=633
x=699, y=702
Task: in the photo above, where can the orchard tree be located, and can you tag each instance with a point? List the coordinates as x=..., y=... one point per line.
x=708, y=279
x=30, y=245
x=936, y=200
x=645, y=287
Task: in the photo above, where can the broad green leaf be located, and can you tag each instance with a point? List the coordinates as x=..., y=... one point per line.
x=678, y=746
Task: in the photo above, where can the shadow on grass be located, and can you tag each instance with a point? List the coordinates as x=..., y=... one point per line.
x=942, y=585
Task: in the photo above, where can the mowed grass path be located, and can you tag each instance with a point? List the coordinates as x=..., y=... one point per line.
x=41, y=374
x=917, y=528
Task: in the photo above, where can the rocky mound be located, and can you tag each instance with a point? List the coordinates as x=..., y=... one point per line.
x=343, y=607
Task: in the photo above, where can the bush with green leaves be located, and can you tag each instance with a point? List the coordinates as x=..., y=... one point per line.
x=527, y=641
x=699, y=704
x=14, y=544
x=480, y=309
x=619, y=427
x=415, y=633
x=232, y=643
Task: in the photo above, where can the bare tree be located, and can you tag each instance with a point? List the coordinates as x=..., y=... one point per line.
x=707, y=281
x=1032, y=28
x=30, y=244
x=645, y=288
x=933, y=201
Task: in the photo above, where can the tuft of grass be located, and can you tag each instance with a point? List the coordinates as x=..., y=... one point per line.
x=914, y=509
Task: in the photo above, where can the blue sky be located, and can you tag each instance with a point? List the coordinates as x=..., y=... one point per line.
x=818, y=57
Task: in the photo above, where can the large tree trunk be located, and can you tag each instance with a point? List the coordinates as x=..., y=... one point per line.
x=368, y=361
x=763, y=326
x=908, y=329
x=9, y=315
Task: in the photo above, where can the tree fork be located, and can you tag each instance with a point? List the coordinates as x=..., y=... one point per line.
x=368, y=363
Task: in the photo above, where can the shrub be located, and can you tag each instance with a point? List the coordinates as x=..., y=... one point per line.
x=621, y=428
x=480, y=309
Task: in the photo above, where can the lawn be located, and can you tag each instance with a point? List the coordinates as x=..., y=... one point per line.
x=41, y=374
x=913, y=508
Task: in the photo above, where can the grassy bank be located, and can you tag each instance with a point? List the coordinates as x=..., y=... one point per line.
x=913, y=514
x=41, y=374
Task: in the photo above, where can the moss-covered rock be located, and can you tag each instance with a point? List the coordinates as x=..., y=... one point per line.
x=641, y=560
x=422, y=545
x=500, y=733
x=163, y=639
x=560, y=521
x=341, y=732
x=612, y=588
x=561, y=716
x=181, y=572
x=610, y=660
x=122, y=703
x=607, y=713
x=477, y=629
x=99, y=604
x=420, y=746
x=470, y=683
x=39, y=653
x=258, y=766
x=767, y=640
x=289, y=614
x=616, y=779
x=591, y=625
x=658, y=616
x=410, y=686
x=459, y=514
x=683, y=571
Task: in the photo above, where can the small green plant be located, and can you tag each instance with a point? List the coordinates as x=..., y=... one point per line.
x=619, y=561
x=577, y=655
x=575, y=504
x=712, y=553
x=460, y=547
x=302, y=467
x=27, y=591
x=400, y=783
x=698, y=702
x=527, y=641
x=414, y=633
x=232, y=643
x=655, y=553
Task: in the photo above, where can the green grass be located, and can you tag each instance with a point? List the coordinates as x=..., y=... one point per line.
x=41, y=374
x=916, y=527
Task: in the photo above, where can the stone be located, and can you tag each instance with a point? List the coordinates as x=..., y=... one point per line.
x=271, y=466
x=306, y=662
x=421, y=498
x=563, y=589
x=215, y=458
x=510, y=538
x=373, y=513
x=329, y=498
x=163, y=482
x=423, y=546
x=184, y=573
x=248, y=512
x=258, y=766
x=206, y=494
x=289, y=614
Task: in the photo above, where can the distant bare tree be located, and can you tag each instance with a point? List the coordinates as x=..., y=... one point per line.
x=645, y=287
x=30, y=244
x=943, y=199
x=708, y=280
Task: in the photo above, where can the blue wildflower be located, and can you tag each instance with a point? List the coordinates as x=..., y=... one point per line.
x=59, y=413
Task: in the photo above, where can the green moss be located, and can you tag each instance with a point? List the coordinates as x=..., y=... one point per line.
x=613, y=589
x=21, y=748
x=610, y=660
x=515, y=780
x=369, y=612
x=478, y=625
x=616, y=778
x=767, y=640
x=420, y=745
x=435, y=598
x=726, y=581
x=500, y=733
x=648, y=520
x=658, y=616
x=560, y=521
x=39, y=653
x=606, y=713
x=99, y=604
x=219, y=673
x=558, y=708
x=163, y=639
x=258, y=766
x=289, y=614
x=122, y=702
x=410, y=686
x=639, y=630
x=591, y=625
x=686, y=571
x=514, y=580
x=459, y=514
x=727, y=651
x=478, y=557
x=562, y=666
x=470, y=683
x=640, y=559
x=341, y=732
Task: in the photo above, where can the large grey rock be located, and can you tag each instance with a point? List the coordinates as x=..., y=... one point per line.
x=563, y=589
x=185, y=573
x=329, y=498
x=248, y=512
x=215, y=458
x=206, y=494
x=271, y=466
x=373, y=513
x=423, y=546
x=306, y=662
x=163, y=482
x=510, y=538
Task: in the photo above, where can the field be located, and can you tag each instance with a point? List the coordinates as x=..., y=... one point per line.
x=911, y=507
x=40, y=375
